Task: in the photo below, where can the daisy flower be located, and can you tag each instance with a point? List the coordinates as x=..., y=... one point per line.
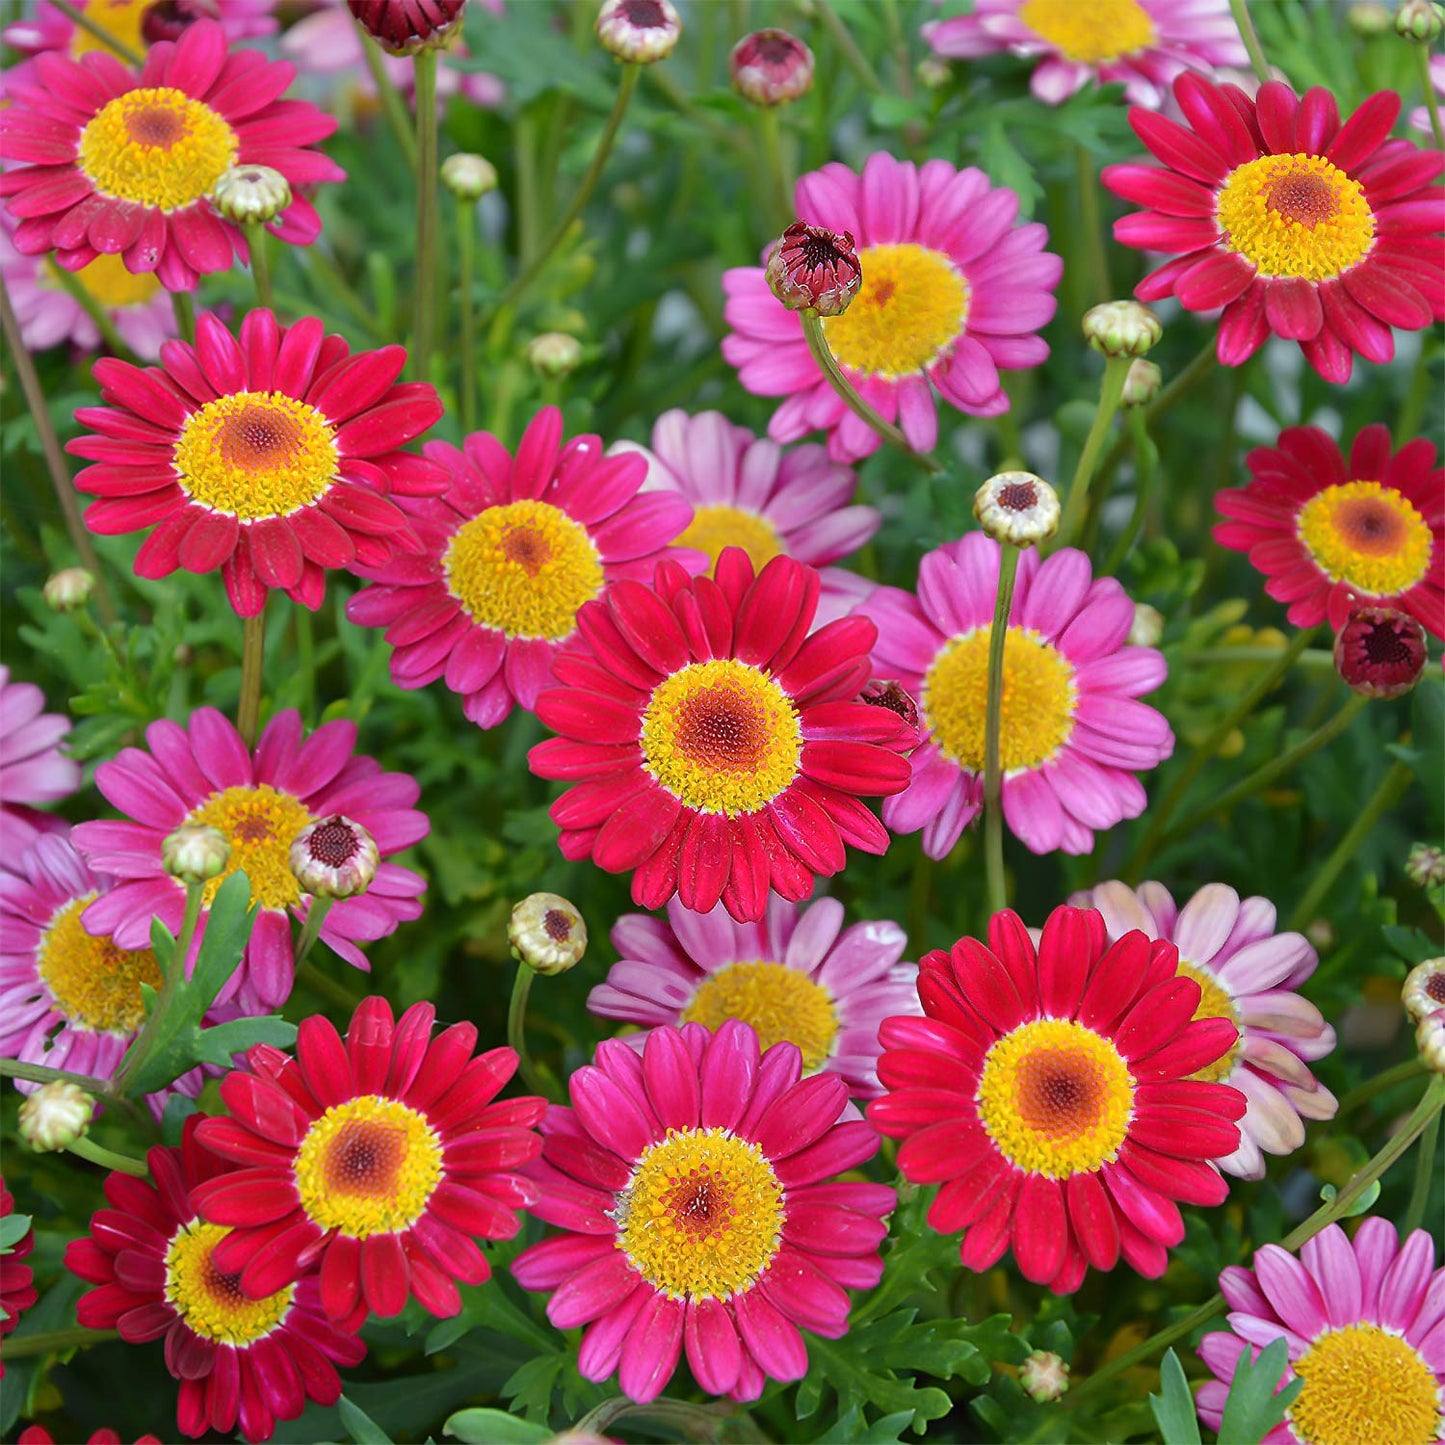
x=134, y=24
x=1364, y=1320
x=39, y=1435
x=271, y=457
x=1296, y=225
x=507, y=557
x=747, y=492
x=698, y=1191
x=1247, y=974
x=1142, y=44
x=380, y=1163
x=17, y=1280
x=952, y=291
x=240, y=1362
x=716, y=747
x=259, y=800
x=114, y=163
x=1332, y=535
x=797, y=976
x=1073, y=735
x=32, y=767
x=1049, y=1091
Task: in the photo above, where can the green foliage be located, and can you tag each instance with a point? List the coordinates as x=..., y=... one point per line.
x=494, y=1427
x=1254, y=1408
x=1173, y=1407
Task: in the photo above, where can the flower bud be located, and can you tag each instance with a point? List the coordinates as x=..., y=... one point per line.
x=1419, y=20
x=1018, y=508
x=1122, y=328
x=196, y=853
x=403, y=27
x=248, y=194
x=554, y=354
x=334, y=857
x=889, y=694
x=771, y=67
x=68, y=589
x=1141, y=383
x=1430, y=1040
x=468, y=177
x=1424, y=988
x=1425, y=866
x=933, y=72
x=547, y=933
x=1369, y=20
x=1044, y=1376
x=1147, y=627
x=639, y=31
x=1380, y=652
x=55, y=1116
x=812, y=269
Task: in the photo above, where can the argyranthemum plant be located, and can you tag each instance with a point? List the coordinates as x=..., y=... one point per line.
x=134, y=23
x=32, y=767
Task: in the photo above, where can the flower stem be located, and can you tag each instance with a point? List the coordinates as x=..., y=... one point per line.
x=1401, y=1073
x=256, y=239
x=1422, y=64
x=1247, y=33
x=392, y=105
x=425, y=317
x=311, y=927
x=769, y=128
x=253, y=647
x=86, y=1148
x=1091, y=222
x=857, y=62
x=332, y=990
x=1111, y=390
x=531, y=1075
x=119, y=47
x=185, y=310
x=42, y=1074
x=1203, y=362
x=1144, y=458
x=50, y=1342
x=466, y=265
x=92, y=308
x=993, y=722
x=175, y=975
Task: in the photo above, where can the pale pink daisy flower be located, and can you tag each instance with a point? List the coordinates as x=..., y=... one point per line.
x=32, y=767
x=1247, y=973
x=952, y=291
x=747, y=492
x=1142, y=44
x=1073, y=735
x=795, y=976
x=260, y=800
x=135, y=24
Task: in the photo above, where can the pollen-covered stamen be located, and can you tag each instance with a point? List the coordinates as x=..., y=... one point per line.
x=1215, y=1002
x=780, y=1003
x=1091, y=31
x=96, y=985
x=210, y=1302
x=1364, y=1384
x=260, y=823
x=715, y=527
x=1368, y=535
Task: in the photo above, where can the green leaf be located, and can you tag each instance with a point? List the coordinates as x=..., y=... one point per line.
x=1361, y=1206
x=1253, y=1408
x=850, y=1429
x=13, y=1228
x=219, y=1043
x=530, y=1389
x=1173, y=1407
x=360, y=1426
x=1005, y=165
x=494, y=1427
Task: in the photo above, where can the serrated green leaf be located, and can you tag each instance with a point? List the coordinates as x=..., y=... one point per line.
x=360, y=1426
x=178, y=1109
x=1173, y=1407
x=219, y=1043
x=531, y=1387
x=850, y=1429
x=494, y=1427
x=1253, y=1408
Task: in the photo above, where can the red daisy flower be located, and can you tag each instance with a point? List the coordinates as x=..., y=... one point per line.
x=269, y=458
x=1297, y=225
x=17, y=1286
x=1332, y=536
x=120, y=164
x=239, y=1361
x=382, y=1159
x=1049, y=1090
x=717, y=747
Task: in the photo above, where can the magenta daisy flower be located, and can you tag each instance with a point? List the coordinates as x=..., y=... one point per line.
x=272, y=457
x=1248, y=974
x=260, y=800
x=114, y=163
x=697, y=1190
x=240, y=1363
x=508, y=556
x=134, y=24
x=1364, y=1321
x=32, y=767
x=716, y=748
x=1332, y=535
x=797, y=976
x=952, y=291
x=380, y=1163
x=747, y=492
x=1296, y=225
x=1142, y=44
x=1073, y=735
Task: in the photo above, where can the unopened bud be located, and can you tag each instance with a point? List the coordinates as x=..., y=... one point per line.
x=1380, y=652
x=68, y=589
x=890, y=694
x=55, y=1116
x=771, y=67
x=813, y=269
x=1018, y=508
x=554, y=354
x=1424, y=989
x=1430, y=1040
x=334, y=857
x=1147, y=627
x=1044, y=1375
x=933, y=72
x=468, y=177
x=1425, y=866
x=639, y=31
x=196, y=853
x=1369, y=20
x=1122, y=328
x=248, y=194
x=403, y=27
x=1419, y=20
x=1141, y=383
x=547, y=933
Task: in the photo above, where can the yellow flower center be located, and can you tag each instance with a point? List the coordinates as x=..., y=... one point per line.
x=108, y=283
x=781, y=1004
x=1056, y=1098
x=95, y=984
x=1039, y=696
x=713, y=528
x=722, y=736
x=120, y=19
x=210, y=1302
x=1214, y=1003
x=524, y=569
x=1090, y=31
x=1364, y=1385
x=702, y=1215
x=911, y=306
x=158, y=147
x=368, y=1166
x=1295, y=215
x=260, y=823
x=1367, y=535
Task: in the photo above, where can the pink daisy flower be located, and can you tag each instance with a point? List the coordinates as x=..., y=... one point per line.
x=136, y=24
x=952, y=291
x=32, y=767
x=797, y=976
x=697, y=1190
x=1247, y=973
x=1142, y=44
x=507, y=559
x=260, y=800
x=112, y=163
x=1364, y=1321
x=1073, y=735
x=747, y=492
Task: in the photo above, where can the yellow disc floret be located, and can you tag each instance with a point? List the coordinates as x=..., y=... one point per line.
x=702, y=1215
x=1364, y=1386
x=722, y=736
x=108, y=283
x=95, y=984
x=368, y=1166
x=912, y=306
x=119, y=19
x=158, y=147
x=524, y=569
x=259, y=822
x=1215, y=1002
x=1367, y=535
x=210, y=1302
x=1091, y=31
x=1295, y=215
x=1039, y=697
x=1056, y=1098
x=781, y=1004
x=716, y=527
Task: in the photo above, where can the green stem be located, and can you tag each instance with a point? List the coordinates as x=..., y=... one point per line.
x=92, y=308
x=1144, y=456
x=1424, y=1178
x=79, y=17
x=53, y=1342
x=393, y=107
x=1362, y=1093
x=466, y=265
x=1318, y=660
x=777, y=167
x=41, y=1074
x=256, y=239
x=692, y=1422
x=993, y=723
x=517, y=1031
x=1091, y=222
x=184, y=307
x=140, y=1050
x=86, y=1148
x=1111, y=389
x=311, y=927
x=1201, y=365
x=331, y=989
x=856, y=61
x=1247, y=33
x=306, y=663
x=253, y=647
x=1422, y=65
x=425, y=317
